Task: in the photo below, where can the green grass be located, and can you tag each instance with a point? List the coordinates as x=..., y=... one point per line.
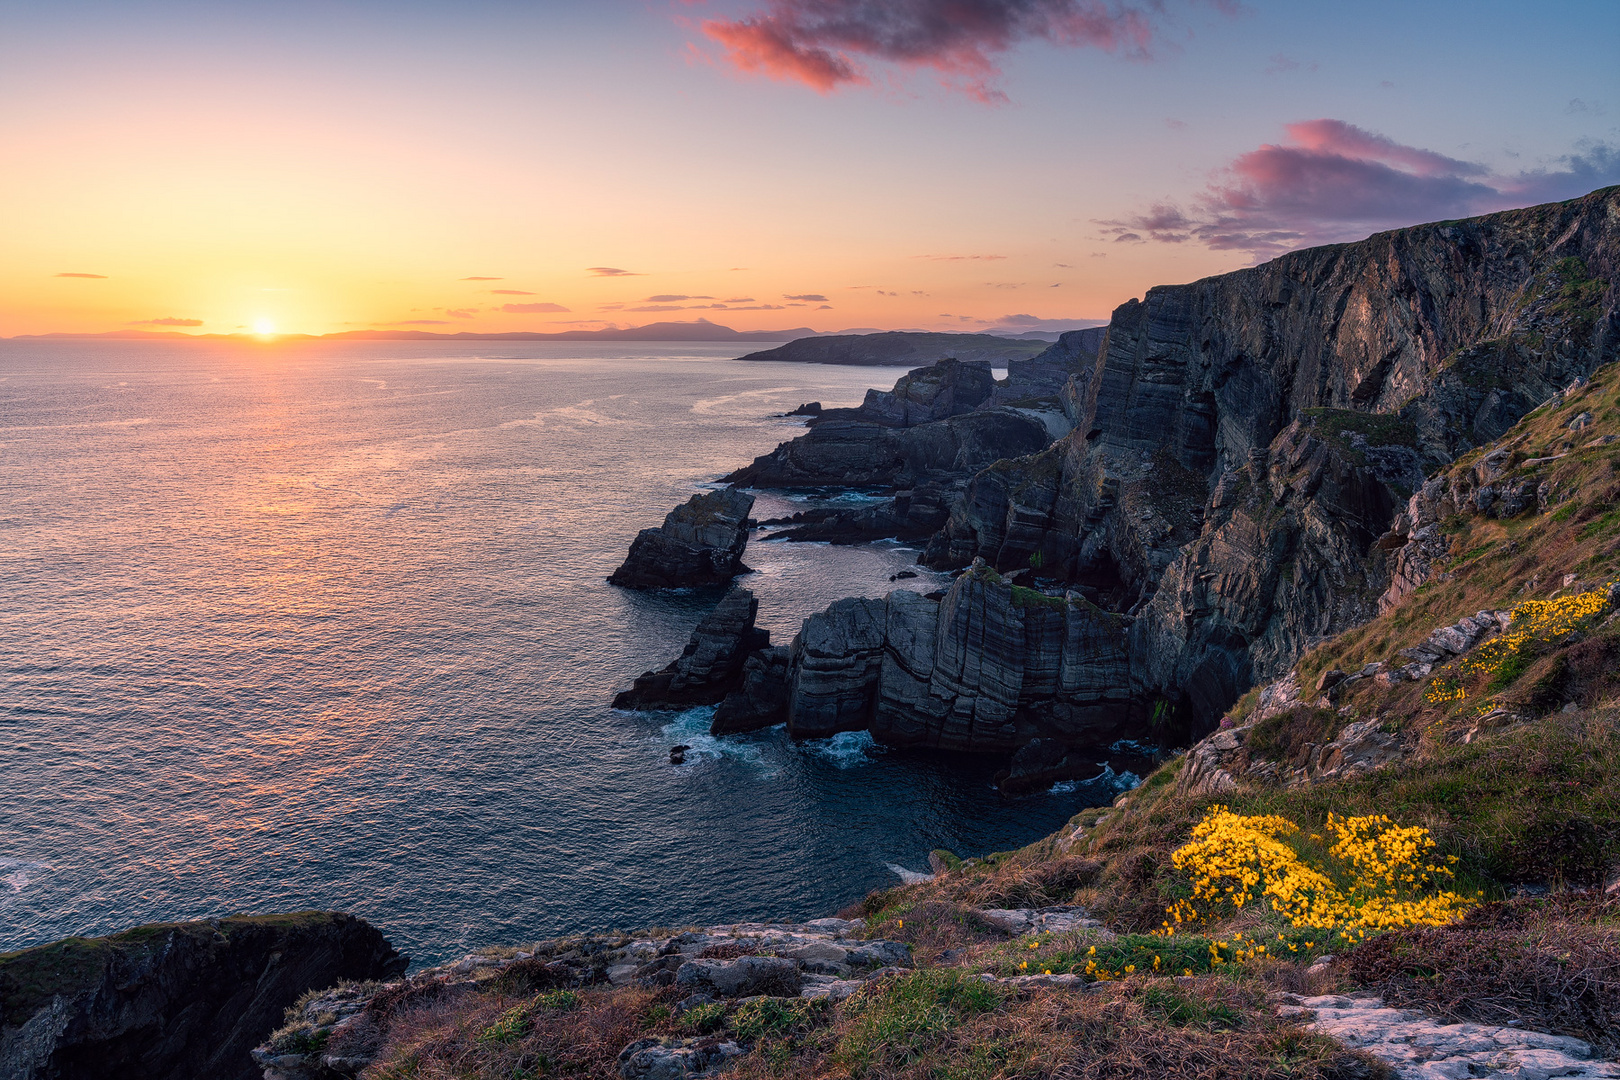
x=905, y=1015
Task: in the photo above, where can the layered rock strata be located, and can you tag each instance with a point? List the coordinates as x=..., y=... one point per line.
x=989, y=667
x=700, y=543
x=1243, y=442
x=174, y=1001
x=711, y=665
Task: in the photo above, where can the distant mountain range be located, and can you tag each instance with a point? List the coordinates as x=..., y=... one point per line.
x=701, y=330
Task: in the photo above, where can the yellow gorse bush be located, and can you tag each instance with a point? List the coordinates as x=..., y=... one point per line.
x=1534, y=622
x=1376, y=876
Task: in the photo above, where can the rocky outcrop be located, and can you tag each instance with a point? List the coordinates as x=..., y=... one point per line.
x=1420, y=1047
x=989, y=667
x=924, y=395
x=844, y=451
x=177, y=1000
x=700, y=543
x=340, y=1033
x=761, y=700
x=899, y=347
x=1040, y=763
x=1243, y=442
x=1045, y=377
x=711, y=665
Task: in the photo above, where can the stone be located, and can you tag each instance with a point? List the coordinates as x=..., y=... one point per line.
x=743, y=977
x=1417, y=1046
x=712, y=664
x=676, y=1059
x=701, y=543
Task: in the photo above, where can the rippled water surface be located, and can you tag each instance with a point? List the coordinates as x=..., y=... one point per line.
x=327, y=626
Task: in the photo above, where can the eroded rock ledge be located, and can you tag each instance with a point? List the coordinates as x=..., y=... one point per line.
x=700, y=543
x=175, y=999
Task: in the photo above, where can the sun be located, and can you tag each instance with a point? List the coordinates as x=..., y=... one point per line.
x=264, y=327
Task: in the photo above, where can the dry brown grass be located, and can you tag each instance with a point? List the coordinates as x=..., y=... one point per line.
x=1552, y=965
x=1211, y=1029
x=459, y=1037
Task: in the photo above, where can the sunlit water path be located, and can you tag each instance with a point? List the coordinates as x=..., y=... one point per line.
x=326, y=626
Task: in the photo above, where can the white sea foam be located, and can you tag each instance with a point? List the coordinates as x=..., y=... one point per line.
x=1065, y=787
x=1131, y=746
x=846, y=750
x=15, y=875
x=691, y=730
x=908, y=877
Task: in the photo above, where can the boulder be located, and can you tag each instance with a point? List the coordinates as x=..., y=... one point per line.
x=711, y=665
x=700, y=543
x=743, y=977
x=1040, y=763
x=676, y=1059
x=174, y=1000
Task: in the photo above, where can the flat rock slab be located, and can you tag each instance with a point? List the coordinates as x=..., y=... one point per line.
x=1419, y=1047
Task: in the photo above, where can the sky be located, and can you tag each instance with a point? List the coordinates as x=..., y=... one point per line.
x=496, y=165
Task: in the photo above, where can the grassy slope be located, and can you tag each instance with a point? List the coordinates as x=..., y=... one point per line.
x=1530, y=798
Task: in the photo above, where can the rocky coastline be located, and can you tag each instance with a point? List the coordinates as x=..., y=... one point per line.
x=1152, y=517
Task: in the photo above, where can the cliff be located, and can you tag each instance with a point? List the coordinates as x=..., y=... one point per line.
x=1242, y=441
x=173, y=1001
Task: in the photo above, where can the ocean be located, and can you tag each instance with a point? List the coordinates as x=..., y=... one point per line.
x=326, y=625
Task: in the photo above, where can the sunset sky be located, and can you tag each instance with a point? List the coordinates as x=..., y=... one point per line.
x=502, y=165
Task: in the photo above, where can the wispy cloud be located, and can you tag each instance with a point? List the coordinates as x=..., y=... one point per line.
x=826, y=44
x=510, y=292
x=167, y=320
x=611, y=271
x=93, y=277
x=1331, y=181
x=461, y=313
x=960, y=258
x=419, y=322
x=671, y=298
x=809, y=297
x=531, y=309
x=482, y=279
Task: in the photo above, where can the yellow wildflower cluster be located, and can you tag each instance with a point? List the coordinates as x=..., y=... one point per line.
x=1533, y=622
x=1377, y=875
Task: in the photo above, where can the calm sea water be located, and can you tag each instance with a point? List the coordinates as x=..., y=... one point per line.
x=326, y=626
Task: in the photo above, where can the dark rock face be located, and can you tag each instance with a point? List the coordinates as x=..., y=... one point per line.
x=839, y=452
x=1046, y=375
x=761, y=700
x=712, y=664
x=946, y=389
x=174, y=1001
x=1040, y=763
x=988, y=668
x=913, y=514
x=1243, y=442
x=700, y=543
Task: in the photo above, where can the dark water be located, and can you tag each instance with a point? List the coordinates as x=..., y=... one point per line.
x=326, y=626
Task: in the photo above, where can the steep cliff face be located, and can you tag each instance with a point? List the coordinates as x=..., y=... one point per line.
x=1243, y=440
x=700, y=543
x=174, y=1001
x=989, y=667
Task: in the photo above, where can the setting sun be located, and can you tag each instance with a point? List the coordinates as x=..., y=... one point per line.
x=264, y=327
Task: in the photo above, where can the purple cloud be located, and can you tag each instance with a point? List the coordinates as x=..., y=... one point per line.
x=826, y=44
x=1332, y=181
x=809, y=297
x=510, y=292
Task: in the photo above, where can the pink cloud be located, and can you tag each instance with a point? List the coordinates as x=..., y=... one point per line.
x=168, y=320
x=1332, y=181
x=825, y=44
x=531, y=309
